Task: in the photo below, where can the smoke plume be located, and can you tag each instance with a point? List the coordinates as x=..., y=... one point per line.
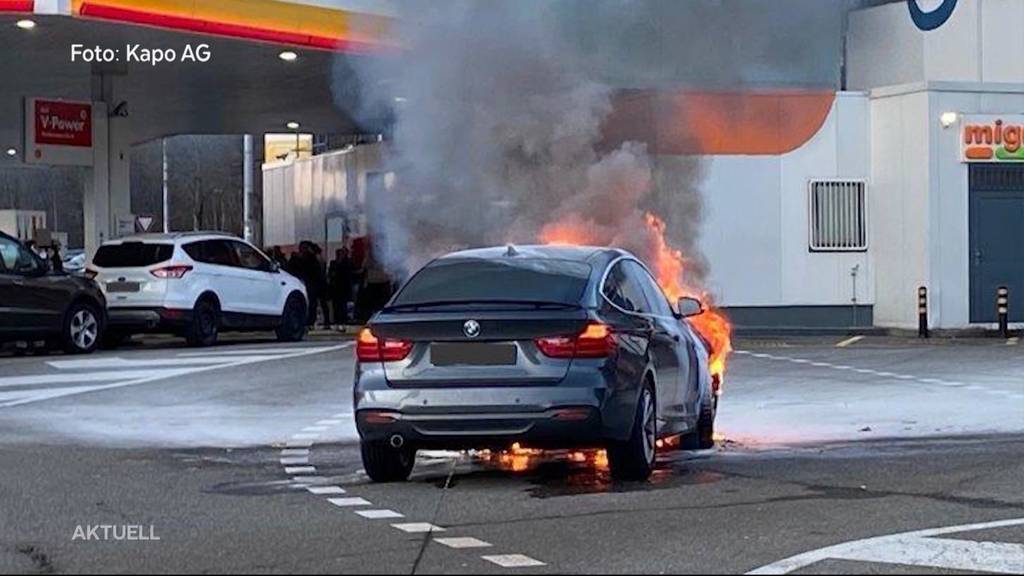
x=498, y=113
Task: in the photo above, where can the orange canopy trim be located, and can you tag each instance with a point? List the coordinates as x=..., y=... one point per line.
x=271, y=21
x=718, y=123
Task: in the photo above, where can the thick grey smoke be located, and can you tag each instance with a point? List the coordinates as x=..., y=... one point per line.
x=499, y=108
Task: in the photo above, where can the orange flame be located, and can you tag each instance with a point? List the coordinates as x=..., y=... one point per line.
x=668, y=265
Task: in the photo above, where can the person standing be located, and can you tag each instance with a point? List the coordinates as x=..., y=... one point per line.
x=56, y=260
x=340, y=277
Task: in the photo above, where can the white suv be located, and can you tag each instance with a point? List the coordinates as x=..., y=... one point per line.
x=196, y=284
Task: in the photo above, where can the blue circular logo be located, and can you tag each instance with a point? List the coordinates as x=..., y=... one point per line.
x=930, y=20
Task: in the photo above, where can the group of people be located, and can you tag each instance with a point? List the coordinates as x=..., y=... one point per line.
x=347, y=290
x=50, y=254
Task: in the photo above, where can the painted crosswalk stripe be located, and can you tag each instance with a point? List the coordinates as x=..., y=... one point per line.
x=300, y=470
x=118, y=362
x=295, y=452
x=349, y=502
x=417, y=527
x=379, y=514
x=460, y=542
x=513, y=561
x=295, y=460
x=325, y=490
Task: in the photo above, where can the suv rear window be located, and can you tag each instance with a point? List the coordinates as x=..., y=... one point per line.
x=512, y=280
x=132, y=255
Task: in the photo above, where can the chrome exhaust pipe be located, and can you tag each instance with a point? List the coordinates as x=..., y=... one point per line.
x=397, y=441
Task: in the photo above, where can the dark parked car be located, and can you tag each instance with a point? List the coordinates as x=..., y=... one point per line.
x=552, y=347
x=36, y=304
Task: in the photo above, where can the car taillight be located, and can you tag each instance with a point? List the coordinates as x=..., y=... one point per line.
x=171, y=272
x=595, y=341
x=91, y=273
x=369, y=348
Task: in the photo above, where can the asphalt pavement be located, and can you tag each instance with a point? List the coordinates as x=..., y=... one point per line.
x=241, y=458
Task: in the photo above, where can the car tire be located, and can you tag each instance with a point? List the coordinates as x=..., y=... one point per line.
x=204, y=326
x=384, y=463
x=82, y=329
x=634, y=459
x=293, y=320
x=703, y=437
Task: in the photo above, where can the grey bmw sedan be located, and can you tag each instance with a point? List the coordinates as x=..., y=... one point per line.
x=548, y=346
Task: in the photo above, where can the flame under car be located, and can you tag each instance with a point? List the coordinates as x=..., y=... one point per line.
x=549, y=346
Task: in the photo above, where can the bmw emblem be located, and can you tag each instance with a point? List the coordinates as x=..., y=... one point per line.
x=471, y=328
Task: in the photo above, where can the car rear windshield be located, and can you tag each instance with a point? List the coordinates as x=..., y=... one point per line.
x=132, y=255
x=529, y=280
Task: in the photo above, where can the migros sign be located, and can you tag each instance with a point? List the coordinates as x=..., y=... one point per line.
x=992, y=139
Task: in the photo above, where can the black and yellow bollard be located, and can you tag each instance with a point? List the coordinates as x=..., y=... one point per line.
x=1003, y=310
x=922, y=312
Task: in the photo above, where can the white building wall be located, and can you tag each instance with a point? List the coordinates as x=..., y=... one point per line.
x=755, y=234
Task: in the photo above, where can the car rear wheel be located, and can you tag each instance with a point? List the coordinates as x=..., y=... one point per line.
x=703, y=437
x=293, y=320
x=383, y=463
x=203, y=328
x=82, y=329
x=634, y=459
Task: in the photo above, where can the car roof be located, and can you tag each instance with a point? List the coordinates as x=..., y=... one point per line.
x=593, y=255
x=174, y=237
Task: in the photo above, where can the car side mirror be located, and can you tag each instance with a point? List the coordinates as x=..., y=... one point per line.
x=274, y=267
x=688, y=306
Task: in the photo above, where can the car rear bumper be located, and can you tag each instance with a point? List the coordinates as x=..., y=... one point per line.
x=581, y=411
x=567, y=427
x=146, y=318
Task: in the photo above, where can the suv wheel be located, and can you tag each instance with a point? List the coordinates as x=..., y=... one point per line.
x=634, y=459
x=202, y=329
x=293, y=320
x=82, y=329
x=386, y=464
x=703, y=437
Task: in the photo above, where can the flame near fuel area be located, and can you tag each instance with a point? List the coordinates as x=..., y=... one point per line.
x=668, y=265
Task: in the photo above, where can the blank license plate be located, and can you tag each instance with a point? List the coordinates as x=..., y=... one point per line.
x=122, y=287
x=472, y=354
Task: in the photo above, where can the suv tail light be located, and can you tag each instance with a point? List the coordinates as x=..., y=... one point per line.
x=369, y=348
x=171, y=272
x=595, y=341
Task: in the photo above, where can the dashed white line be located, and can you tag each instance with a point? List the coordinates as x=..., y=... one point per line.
x=379, y=514
x=462, y=542
x=417, y=527
x=513, y=561
x=325, y=490
x=349, y=502
x=849, y=341
x=300, y=470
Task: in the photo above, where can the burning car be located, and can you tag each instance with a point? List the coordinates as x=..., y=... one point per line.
x=548, y=346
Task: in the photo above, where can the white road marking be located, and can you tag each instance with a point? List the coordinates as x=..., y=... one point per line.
x=41, y=379
x=919, y=548
x=886, y=374
x=295, y=452
x=462, y=542
x=326, y=490
x=417, y=527
x=245, y=352
x=849, y=341
x=379, y=514
x=306, y=436
x=127, y=378
x=300, y=470
x=349, y=502
x=513, y=561
x=295, y=460
x=328, y=423
x=299, y=444
x=118, y=362
x=316, y=428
